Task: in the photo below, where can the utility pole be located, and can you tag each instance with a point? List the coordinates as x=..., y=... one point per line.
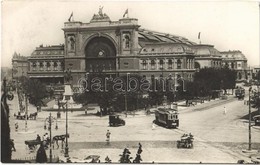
x=50, y=122
x=249, y=125
x=26, y=111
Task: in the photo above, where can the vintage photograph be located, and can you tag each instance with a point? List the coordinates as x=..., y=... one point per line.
x=130, y=82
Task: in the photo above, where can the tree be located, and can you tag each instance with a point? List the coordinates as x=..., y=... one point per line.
x=210, y=79
x=34, y=89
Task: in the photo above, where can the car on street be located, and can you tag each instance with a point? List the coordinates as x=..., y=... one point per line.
x=257, y=119
x=115, y=120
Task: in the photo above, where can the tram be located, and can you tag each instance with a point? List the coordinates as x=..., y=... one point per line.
x=240, y=93
x=167, y=117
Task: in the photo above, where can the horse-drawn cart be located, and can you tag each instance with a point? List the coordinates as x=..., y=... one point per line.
x=186, y=141
x=32, y=144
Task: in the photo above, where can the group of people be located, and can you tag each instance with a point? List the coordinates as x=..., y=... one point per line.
x=187, y=136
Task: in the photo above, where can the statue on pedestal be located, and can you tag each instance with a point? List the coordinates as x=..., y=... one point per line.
x=67, y=76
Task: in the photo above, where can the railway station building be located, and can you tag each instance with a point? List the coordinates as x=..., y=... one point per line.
x=122, y=47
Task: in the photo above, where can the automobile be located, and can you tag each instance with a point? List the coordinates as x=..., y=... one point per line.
x=114, y=120
x=255, y=159
x=257, y=119
x=186, y=141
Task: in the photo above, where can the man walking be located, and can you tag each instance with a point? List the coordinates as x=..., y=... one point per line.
x=108, y=136
x=225, y=111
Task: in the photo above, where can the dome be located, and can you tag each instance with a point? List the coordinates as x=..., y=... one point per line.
x=235, y=55
x=206, y=50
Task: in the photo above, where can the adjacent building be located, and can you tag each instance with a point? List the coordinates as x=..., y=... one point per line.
x=46, y=63
x=19, y=66
x=237, y=61
x=206, y=56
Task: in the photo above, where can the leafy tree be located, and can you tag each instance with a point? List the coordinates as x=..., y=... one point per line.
x=34, y=89
x=210, y=79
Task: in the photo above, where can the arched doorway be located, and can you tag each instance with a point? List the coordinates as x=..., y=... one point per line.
x=100, y=55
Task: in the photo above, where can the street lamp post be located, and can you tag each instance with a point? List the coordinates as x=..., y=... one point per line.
x=67, y=96
x=249, y=125
x=126, y=88
x=26, y=110
x=50, y=120
x=66, y=143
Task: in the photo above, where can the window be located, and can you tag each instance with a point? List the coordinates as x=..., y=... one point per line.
x=48, y=66
x=169, y=64
x=126, y=64
x=34, y=66
x=152, y=64
x=161, y=64
x=178, y=64
x=144, y=64
x=55, y=65
x=41, y=66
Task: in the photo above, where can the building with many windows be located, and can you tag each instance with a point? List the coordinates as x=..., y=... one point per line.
x=120, y=47
x=19, y=66
x=237, y=61
x=47, y=64
x=206, y=56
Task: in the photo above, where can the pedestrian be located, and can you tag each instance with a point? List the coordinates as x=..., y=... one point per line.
x=38, y=137
x=47, y=136
x=153, y=126
x=41, y=156
x=16, y=126
x=108, y=136
x=12, y=145
x=225, y=111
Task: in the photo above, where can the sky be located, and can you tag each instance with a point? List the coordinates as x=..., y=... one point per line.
x=228, y=25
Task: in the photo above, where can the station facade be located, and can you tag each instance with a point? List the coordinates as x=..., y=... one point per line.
x=121, y=47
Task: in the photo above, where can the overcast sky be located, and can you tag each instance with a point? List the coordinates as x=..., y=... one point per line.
x=230, y=25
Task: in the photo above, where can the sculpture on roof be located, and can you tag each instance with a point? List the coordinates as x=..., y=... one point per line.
x=100, y=10
x=100, y=16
